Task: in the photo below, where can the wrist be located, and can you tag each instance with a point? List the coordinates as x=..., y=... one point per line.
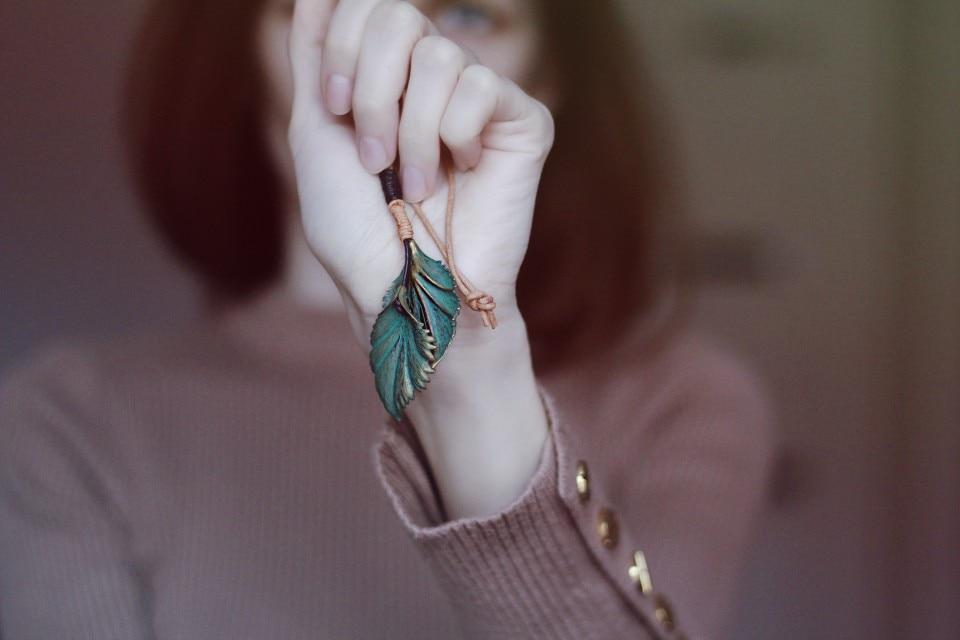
x=480, y=359
x=481, y=420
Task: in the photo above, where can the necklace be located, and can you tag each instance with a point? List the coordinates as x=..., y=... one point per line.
x=421, y=305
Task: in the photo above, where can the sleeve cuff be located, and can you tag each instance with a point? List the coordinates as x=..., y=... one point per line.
x=523, y=572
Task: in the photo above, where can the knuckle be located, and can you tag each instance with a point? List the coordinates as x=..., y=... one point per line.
x=437, y=51
x=414, y=133
x=336, y=49
x=401, y=16
x=295, y=137
x=293, y=134
x=368, y=107
x=481, y=78
x=453, y=135
x=546, y=125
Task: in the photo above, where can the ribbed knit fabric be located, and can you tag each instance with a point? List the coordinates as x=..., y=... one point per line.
x=238, y=479
x=524, y=573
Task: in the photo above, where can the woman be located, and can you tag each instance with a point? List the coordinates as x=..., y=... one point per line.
x=566, y=475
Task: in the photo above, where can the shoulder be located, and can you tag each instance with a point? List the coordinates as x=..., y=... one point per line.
x=81, y=368
x=697, y=395
x=705, y=376
x=65, y=390
x=710, y=389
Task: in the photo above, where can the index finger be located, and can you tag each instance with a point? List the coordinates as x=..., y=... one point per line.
x=308, y=31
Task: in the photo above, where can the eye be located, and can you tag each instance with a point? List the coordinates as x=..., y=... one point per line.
x=466, y=17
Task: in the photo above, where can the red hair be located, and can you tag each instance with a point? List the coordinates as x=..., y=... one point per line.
x=194, y=113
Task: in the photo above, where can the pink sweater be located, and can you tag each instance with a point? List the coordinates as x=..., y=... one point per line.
x=239, y=480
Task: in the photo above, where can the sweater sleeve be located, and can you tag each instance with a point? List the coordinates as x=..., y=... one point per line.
x=646, y=542
x=63, y=566
x=526, y=572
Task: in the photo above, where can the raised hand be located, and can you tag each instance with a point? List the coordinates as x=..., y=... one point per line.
x=375, y=82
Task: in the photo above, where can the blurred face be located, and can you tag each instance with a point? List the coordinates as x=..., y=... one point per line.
x=505, y=35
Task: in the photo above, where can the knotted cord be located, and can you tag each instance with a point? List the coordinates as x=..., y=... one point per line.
x=404, y=228
x=476, y=299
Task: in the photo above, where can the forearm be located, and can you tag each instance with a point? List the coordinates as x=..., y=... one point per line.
x=481, y=419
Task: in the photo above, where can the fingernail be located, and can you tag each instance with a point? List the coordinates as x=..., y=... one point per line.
x=372, y=153
x=414, y=184
x=338, y=94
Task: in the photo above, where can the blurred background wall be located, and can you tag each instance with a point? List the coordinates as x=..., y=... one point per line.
x=75, y=254
x=821, y=149
x=821, y=158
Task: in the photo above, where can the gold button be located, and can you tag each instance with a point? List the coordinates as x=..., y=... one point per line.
x=583, y=481
x=640, y=573
x=607, y=528
x=664, y=612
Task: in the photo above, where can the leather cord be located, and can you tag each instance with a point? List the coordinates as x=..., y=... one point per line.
x=476, y=299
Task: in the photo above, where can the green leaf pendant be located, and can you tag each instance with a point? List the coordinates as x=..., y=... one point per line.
x=411, y=334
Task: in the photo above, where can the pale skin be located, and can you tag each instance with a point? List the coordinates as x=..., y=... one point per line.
x=377, y=80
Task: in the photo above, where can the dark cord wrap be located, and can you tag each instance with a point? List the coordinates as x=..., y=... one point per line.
x=390, y=182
